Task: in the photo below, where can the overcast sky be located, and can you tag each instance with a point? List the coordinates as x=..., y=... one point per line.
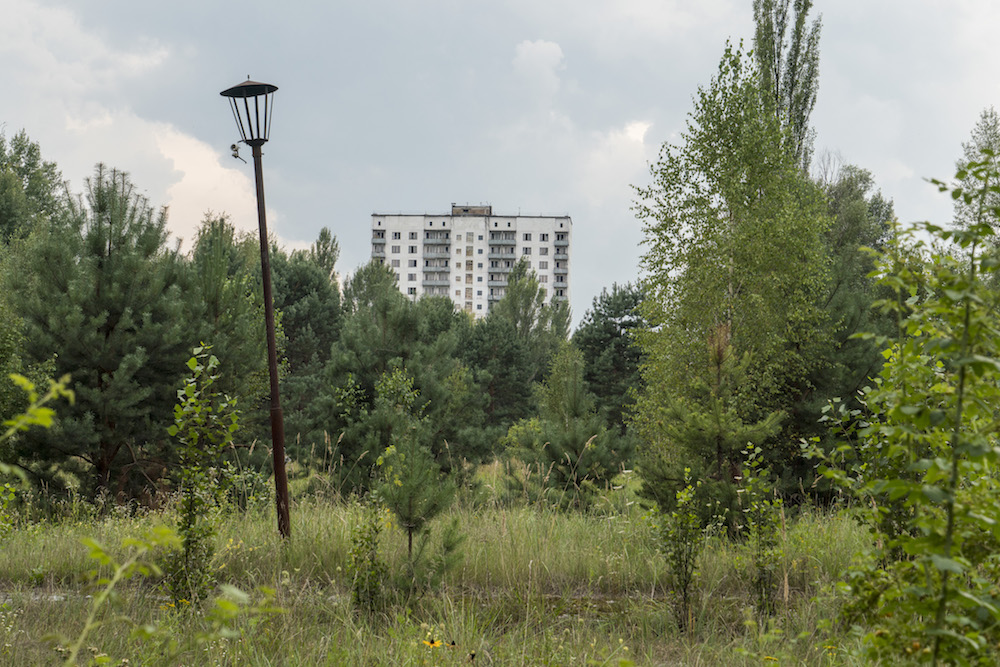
x=537, y=106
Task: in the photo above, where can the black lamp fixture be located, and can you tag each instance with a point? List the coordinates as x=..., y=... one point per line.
x=252, y=103
x=252, y=118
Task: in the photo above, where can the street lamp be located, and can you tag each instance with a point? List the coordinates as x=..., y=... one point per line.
x=252, y=104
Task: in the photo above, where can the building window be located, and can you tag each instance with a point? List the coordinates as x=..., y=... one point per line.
x=479, y=292
x=527, y=236
x=412, y=263
x=395, y=248
x=543, y=251
x=479, y=279
x=479, y=306
x=413, y=249
x=543, y=265
x=543, y=237
x=458, y=292
x=543, y=279
x=395, y=235
x=559, y=292
x=411, y=290
x=395, y=263
x=411, y=276
x=525, y=251
x=480, y=237
x=413, y=235
x=458, y=279
x=480, y=251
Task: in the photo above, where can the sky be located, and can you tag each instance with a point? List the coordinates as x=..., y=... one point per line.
x=533, y=106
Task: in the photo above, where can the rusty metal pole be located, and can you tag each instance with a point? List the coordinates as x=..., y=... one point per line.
x=277, y=420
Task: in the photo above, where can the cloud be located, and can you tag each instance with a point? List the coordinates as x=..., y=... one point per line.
x=612, y=161
x=538, y=65
x=203, y=179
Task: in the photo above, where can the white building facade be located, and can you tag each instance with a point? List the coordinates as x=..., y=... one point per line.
x=468, y=254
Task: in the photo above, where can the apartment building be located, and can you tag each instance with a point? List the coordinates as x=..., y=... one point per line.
x=467, y=255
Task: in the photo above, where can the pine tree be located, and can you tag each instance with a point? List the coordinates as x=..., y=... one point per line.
x=413, y=486
x=101, y=295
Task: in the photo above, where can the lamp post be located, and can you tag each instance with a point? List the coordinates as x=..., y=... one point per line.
x=252, y=104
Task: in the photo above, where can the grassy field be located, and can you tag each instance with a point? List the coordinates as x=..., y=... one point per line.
x=535, y=586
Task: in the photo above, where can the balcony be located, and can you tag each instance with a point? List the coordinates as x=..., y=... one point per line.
x=563, y=243
x=510, y=241
x=561, y=256
x=378, y=251
x=376, y=239
x=496, y=254
x=561, y=270
x=496, y=283
x=437, y=251
x=436, y=241
x=436, y=282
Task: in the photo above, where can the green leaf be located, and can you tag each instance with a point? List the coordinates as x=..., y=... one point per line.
x=943, y=564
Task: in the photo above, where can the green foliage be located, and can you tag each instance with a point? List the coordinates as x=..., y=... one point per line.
x=682, y=542
x=927, y=448
x=366, y=569
x=569, y=441
x=789, y=70
x=30, y=188
x=499, y=360
x=723, y=204
x=311, y=317
x=860, y=219
x=101, y=295
x=139, y=562
x=204, y=423
x=704, y=435
x=384, y=332
x=762, y=522
x=412, y=487
x=542, y=328
x=983, y=146
x=607, y=338
x=228, y=302
x=325, y=252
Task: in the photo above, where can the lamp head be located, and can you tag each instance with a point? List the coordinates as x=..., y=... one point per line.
x=252, y=103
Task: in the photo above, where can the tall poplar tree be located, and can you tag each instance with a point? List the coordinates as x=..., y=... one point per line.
x=786, y=48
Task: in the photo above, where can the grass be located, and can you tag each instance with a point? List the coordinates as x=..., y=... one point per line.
x=537, y=586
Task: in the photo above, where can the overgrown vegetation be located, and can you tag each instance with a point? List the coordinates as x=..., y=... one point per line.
x=464, y=489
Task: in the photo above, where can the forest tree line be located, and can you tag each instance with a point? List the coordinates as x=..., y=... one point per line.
x=739, y=328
